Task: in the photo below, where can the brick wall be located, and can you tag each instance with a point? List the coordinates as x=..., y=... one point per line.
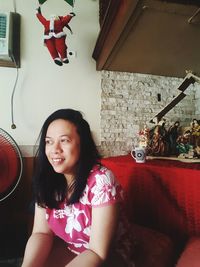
x=128, y=101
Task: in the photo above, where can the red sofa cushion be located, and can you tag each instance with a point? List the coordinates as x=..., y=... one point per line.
x=151, y=248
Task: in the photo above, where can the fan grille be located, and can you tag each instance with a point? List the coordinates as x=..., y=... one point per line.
x=11, y=165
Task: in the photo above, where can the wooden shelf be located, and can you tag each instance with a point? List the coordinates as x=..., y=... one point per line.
x=151, y=37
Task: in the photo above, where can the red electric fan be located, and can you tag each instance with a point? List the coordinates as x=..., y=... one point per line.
x=11, y=165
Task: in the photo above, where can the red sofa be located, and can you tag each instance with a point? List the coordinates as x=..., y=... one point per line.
x=163, y=202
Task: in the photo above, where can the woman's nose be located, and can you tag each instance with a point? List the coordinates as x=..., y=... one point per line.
x=56, y=147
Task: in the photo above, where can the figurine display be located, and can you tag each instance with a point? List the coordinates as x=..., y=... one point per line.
x=195, y=132
x=143, y=137
x=183, y=145
x=174, y=141
x=157, y=144
x=173, y=133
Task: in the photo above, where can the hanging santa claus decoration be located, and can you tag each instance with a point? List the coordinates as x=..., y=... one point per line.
x=54, y=35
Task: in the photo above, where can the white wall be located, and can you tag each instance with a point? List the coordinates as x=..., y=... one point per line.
x=42, y=85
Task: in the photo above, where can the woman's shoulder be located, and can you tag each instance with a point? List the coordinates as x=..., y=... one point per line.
x=102, y=186
x=101, y=172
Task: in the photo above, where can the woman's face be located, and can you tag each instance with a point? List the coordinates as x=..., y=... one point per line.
x=62, y=146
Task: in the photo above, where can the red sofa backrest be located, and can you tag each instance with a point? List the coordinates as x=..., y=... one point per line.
x=161, y=194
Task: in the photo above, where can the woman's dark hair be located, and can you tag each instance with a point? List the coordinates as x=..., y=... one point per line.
x=50, y=188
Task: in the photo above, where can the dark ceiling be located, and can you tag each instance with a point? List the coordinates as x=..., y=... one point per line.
x=103, y=5
x=161, y=39
x=186, y=2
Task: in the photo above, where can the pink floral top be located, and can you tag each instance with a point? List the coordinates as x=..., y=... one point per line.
x=72, y=222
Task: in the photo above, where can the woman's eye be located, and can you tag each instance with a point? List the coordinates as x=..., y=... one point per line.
x=48, y=142
x=65, y=140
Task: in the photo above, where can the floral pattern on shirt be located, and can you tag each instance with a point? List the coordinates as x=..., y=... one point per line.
x=72, y=222
x=104, y=190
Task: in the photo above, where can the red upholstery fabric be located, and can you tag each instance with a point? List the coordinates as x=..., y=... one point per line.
x=161, y=194
x=151, y=248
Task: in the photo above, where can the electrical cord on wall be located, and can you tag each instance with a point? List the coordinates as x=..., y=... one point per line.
x=13, y=126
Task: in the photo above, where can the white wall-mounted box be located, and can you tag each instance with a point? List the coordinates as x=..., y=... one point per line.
x=9, y=38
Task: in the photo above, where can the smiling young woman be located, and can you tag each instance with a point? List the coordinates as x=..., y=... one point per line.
x=77, y=212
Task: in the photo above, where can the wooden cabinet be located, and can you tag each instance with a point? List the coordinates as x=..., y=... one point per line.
x=151, y=37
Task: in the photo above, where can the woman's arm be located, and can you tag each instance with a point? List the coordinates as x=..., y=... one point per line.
x=40, y=241
x=104, y=223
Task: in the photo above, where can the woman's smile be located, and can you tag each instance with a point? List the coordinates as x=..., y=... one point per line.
x=57, y=160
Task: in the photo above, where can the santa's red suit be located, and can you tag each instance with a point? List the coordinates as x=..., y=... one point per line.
x=54, y=36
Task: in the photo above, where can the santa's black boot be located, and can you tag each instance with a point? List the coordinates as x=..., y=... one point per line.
x=58, y=61
x=65, y=60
